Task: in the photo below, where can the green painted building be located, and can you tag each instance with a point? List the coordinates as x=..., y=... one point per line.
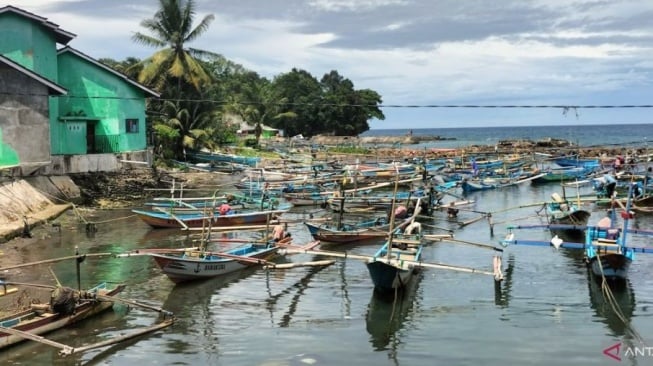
x=103, y=110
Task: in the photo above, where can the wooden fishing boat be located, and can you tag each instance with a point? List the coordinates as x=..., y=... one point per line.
x=235, y=201
x=204, y=156
x=480, y=184
x=305, y=198
x=376, y=228
x=168, y=219
x=561, y=211
x=606, y=255
x=400, y=254
x=44, y=318
x=575, y=161
x=273, y=175
x=563, y=174
x=606, y=251
x=199, y=264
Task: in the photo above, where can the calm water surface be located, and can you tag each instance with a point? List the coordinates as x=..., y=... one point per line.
x=546, y=312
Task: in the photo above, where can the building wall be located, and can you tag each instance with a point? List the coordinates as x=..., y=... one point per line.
x=29, y=44
x=24, y=122
x=100, y=96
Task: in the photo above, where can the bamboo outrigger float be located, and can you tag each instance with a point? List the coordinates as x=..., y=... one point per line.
x=67, y=306
x=606, y=251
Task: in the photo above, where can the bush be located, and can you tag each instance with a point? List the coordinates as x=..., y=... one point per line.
x=251, y=143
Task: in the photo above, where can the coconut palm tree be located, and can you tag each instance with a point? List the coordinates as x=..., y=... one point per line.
x=172, y=30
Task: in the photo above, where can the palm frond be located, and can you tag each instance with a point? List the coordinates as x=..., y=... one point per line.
x=147, y=40
x=156, y=27
x=200, y=28
x=203, y=54
x=188, y=141
x=186, y=19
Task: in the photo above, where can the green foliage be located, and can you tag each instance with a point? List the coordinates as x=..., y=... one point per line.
x=171, y=29
x=250, y=143
x=204, y=96
x=348, y=150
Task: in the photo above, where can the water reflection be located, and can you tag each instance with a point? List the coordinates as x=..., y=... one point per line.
x=388, y=314
x=297, y=289
x=502, y=289
x=613, y=304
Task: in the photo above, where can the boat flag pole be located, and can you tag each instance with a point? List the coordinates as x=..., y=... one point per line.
x=392, y=213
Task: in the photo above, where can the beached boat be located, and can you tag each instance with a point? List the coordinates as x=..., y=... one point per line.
x=44, y=318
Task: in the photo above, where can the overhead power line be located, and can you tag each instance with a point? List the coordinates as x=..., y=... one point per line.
x=462, y=106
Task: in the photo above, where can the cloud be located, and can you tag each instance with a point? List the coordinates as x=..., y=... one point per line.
x=410, y=51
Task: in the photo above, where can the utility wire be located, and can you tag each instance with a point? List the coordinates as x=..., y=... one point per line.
x=462, y=106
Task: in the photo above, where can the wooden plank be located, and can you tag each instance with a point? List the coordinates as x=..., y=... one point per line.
x=4, y=290
x=406, y=241
x=65, y=349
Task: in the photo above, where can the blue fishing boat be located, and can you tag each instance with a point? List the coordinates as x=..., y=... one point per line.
x=561, y=211
x=394, y=264
x=606, y=251
x=202, y=156
x=563, y=174
x=575, y=161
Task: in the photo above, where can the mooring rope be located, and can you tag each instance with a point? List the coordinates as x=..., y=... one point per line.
x=608, y=295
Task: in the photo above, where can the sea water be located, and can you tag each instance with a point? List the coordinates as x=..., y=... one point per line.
x=547, y=311
x=579, y=135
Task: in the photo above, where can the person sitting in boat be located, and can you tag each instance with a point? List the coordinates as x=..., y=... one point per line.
x=619, y=163
x=452, y=212
x=610, y=184
x=400, y=212
x=638, y=192
x=279, y=233
x=224, y=209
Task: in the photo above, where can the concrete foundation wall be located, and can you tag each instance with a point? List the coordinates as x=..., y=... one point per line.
x=59, y=189
x=24, y=117
x=70, y=164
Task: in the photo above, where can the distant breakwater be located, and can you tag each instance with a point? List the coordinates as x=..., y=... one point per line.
x=407, y=145
x=375, y=140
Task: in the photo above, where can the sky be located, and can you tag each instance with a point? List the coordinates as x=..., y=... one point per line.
x=418, y=52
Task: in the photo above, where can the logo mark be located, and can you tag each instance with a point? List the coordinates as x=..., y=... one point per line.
x=613, y=351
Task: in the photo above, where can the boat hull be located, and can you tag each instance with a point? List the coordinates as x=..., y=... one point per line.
x=613, y=266
x=48, y=322
x=337, y=236
x=188, y=268
x=165, y=220
x=387, y=277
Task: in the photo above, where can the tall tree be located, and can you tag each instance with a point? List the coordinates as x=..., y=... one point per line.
x=303, y=94
x=256, y=100
x=345, y=110
x=172, y=29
